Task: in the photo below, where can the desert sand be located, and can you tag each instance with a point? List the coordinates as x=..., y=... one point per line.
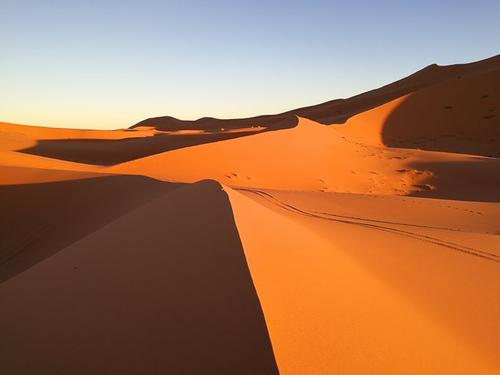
x=357, y=236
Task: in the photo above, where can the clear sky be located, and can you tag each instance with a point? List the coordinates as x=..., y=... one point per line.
x=112, y=63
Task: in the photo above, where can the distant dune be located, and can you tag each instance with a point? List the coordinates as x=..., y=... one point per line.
x=357, y=236
x=340, y=110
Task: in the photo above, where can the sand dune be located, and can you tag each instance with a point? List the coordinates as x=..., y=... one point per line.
x=105, y=147
x=13, y=175
x=328, y=293
x=360, y=235
x=40, y=219
x=339, y=110
x=459, y=115
x=306, y=158
x=301, y=158
x=163, y=289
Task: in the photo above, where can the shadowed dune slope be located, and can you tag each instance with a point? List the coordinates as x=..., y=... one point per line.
x=114, y=151
x=459, y=115
x=105, y=147
x=15, y=138
x=469, y=179
x=40, y=219
x=354, y=296
x=339, y=110
x=165, y=289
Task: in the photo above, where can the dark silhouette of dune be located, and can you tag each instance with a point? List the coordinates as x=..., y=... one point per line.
x=38, y=220
x=164, y=289
x=282, y=121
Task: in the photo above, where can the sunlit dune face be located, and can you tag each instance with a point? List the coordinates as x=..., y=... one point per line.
x=302, y=158
x=220, y=130
x=348, y=294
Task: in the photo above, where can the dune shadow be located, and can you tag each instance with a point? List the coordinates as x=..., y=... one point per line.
x=459, y=116
x=163, y=290
x=38, y=220
x=107, y=152
x=475, y=180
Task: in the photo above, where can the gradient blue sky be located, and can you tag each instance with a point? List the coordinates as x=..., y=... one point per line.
x=110, y=64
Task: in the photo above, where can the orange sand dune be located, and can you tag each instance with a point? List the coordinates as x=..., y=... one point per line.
x=368, y=246
x=26, y=134
x=353, y=296
x=314, y=157
x=302, y=158
x=459, y=115
x=163, y=289
x=15, y=138
x=338, y=110
x=464, y=216
x=105, y=147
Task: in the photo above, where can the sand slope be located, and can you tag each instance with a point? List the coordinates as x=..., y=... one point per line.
x=163, y=289
x=102, y=147
x=357, y=236
x=353, y=296
x=302, y=158
x=459, y=115
x=40, y=219
x=307, y=158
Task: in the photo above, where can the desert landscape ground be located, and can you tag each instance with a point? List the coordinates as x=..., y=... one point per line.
x=357, y=236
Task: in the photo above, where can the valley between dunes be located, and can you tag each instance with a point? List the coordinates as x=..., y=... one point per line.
x=357, y=236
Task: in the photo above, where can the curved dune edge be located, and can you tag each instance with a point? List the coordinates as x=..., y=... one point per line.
x=460, y=115
x=302, y=158
x=41, y=217
x=133, y=298
x=329, y=311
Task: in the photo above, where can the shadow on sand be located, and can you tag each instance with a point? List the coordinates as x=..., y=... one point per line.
x=38, y=220
x=475, y=180
x=459, y=116
x=107, y=152
x=164, y=289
